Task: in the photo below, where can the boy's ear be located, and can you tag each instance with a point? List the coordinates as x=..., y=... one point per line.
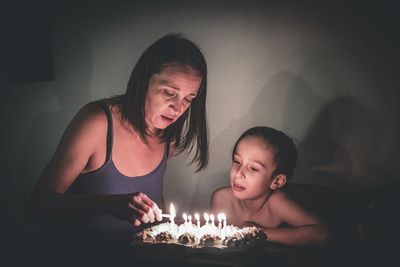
x=278, y=182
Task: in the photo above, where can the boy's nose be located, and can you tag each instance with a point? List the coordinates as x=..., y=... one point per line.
x=240, y=174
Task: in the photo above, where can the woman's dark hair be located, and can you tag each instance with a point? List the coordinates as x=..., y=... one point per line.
x=191, y=127
x=285, y=151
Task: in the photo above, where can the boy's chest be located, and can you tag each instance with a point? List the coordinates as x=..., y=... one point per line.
x=264, y=218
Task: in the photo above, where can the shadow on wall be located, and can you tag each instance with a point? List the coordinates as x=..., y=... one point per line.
x=71, y=86
x=341, y=147
x=337, y=142
x=268, y=109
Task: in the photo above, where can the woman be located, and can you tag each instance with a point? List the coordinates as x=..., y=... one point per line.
x=105, y=178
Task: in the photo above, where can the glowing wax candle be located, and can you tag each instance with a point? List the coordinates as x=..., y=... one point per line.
x=212, y=218
x=224, y=219
x=197, y=217
x=219, y=217
x=206, y=217
x=172, y=214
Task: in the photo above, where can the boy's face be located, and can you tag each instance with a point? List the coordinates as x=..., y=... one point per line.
x=252, y=168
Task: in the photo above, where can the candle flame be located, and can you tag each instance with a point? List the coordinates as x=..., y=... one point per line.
x=220, y=217
x=223, y=216
x=197, y=216
x=184, y=216
x=212, y=217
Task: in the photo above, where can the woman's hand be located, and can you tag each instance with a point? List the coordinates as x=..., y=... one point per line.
x=143, y=209
x=137, y=208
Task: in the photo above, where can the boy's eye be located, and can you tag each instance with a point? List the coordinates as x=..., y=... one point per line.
x=188, y=101
x=254, y=169
x=236, y=162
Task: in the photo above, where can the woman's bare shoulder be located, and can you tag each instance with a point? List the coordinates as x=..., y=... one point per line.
x=86, y=127
x=90, y=115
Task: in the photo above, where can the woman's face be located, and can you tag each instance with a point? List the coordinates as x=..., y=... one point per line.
x=252, y=168
x=169, y=95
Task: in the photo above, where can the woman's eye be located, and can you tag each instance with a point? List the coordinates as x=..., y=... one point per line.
x=253, y=169
x=169, y=93
x=187, y=101
x=236, y=162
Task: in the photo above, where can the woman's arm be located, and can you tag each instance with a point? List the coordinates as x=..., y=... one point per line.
x=78, y=144
x=84, y=136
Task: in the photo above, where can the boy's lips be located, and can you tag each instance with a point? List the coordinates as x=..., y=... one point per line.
x=237, y=187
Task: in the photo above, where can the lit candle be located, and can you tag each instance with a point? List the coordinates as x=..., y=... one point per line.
x=184, y=215
x=206, y=217
x=212, y=218
x=219, y=217
x=189, y=226
x=172, y=214
x=224, y=228
x=197, y=217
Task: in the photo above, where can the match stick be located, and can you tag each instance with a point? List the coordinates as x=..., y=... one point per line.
x=162, y=215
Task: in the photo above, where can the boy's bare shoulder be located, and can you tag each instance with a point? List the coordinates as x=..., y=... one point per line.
x=279, y=197
x=221, y=198
x=222, y=192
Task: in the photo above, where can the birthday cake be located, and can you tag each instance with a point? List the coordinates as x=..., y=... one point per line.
x=205, y=242
x=208, y=235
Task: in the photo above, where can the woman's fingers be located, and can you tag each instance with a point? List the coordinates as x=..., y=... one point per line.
x=136, y=222
x=138, y=213
x=154, y=212
x=144, y=208
x=157, y=212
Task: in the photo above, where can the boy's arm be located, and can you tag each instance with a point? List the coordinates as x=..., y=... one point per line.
x=306, y=230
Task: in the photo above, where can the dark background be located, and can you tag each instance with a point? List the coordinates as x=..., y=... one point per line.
x=329, y=79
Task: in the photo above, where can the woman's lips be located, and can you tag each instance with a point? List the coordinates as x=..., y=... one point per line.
x=167, y=119
x=237, y=187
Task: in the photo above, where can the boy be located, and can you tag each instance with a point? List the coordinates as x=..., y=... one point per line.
x=263, y=159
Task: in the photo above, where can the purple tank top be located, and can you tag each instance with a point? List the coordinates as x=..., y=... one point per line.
x=108, y=180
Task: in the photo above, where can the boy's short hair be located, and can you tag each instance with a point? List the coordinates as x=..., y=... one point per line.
x=285, y=151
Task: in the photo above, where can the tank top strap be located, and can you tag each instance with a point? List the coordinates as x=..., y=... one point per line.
x=106, y=109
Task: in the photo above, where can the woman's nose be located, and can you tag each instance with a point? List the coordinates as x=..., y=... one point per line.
x=176, y=106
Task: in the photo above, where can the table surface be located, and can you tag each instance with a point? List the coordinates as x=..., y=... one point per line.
x=258, y=255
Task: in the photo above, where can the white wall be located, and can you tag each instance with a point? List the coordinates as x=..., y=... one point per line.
x=324, y=76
